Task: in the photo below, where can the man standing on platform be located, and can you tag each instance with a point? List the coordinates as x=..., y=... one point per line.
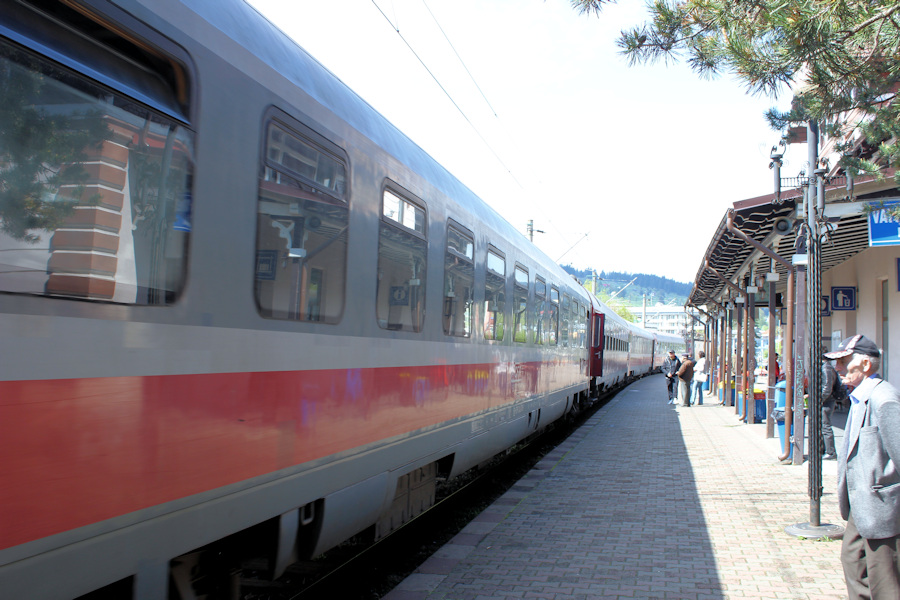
x=670, y=368
x=685, y=375
x=869, y=474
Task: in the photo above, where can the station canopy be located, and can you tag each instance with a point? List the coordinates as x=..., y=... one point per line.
x=774, y=223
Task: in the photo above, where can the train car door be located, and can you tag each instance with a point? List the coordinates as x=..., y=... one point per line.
x=598, y=324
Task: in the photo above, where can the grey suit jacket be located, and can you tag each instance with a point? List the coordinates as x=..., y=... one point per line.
x=868, y=476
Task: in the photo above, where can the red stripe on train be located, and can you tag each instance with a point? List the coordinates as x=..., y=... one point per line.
x=79, y=451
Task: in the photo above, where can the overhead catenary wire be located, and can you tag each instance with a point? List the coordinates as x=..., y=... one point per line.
x=449, y=96
x=461, y=61
x=395, y=26
x=484, y=96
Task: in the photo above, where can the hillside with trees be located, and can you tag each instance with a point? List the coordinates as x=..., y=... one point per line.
x=656, y=289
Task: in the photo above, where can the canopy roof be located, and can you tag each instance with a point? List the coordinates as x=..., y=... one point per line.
x=735, y=259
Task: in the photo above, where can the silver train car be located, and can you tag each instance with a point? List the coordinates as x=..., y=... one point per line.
x=238, y=308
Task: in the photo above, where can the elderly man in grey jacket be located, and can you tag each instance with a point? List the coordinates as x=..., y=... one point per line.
x=869, y=474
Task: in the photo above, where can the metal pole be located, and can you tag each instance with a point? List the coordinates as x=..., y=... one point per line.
x=739, y=358
x=789, y=365
x=728, y=357
x=800, y=358
x=770, y=391
x=749, y=398
x=815, y=364
x=723, y=350
x=815, y=205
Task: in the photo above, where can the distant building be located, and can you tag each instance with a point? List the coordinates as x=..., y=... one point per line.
x=662, y=318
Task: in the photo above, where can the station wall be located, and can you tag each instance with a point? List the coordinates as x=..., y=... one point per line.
x=874, y=273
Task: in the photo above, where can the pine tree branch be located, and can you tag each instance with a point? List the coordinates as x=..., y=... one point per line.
x=880, y=17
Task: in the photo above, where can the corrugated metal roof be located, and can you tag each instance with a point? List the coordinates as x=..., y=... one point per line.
x=733, y=258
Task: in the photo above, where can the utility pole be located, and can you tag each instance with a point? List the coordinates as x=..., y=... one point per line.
x=532, y=230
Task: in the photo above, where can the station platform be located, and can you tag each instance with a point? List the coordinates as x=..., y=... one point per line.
x=647, y=500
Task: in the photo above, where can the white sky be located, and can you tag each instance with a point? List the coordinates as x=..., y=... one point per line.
x=643, y=159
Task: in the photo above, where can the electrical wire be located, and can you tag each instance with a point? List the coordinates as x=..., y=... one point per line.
x=443, y=89
x=461, y=61
x=396, y=28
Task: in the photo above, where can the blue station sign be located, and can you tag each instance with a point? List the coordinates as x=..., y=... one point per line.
x=884, y=229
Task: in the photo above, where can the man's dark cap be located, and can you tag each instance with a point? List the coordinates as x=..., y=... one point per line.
x=856, y=344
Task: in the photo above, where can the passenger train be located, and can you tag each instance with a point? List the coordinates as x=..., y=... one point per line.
x=238, y=308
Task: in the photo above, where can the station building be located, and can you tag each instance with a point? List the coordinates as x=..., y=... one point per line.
x=759, y=257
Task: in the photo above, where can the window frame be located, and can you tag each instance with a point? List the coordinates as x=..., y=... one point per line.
x=520, y=268
x=27, y=32
x=491, y=249
x=289, y=125
x=403, y=194
x=462, y=231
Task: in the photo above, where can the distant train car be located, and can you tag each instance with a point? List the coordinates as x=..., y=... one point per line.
x=665, y=342
x=620, y=350
x=239, y=309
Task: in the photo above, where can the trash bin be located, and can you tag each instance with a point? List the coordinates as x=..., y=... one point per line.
x=706, y=385
x=778, y=415
x=722, y=394
x=759, y=401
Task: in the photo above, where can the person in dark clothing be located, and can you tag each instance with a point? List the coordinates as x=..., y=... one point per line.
x=670, y=368
x=829, y=380
x=685, y=374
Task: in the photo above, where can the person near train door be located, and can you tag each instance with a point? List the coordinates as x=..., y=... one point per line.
x=685, y=375
x=700, y=376
x=670, y=368
x=869, y=474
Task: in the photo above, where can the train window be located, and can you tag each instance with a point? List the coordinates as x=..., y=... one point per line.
x=553, y=317
x=459, y=282
x=494, y=296
x=96, y=194
x=574, y=329
x=301, y=232
x=520, y=305
x=582, y=324
x=540, y=309
x=402, y=257
x=564, y=322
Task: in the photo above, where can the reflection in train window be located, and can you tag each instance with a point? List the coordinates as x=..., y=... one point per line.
x=564, y=322
x=576, y=331
x=301, y=236
x=95, y=199
x=459, y=282
x=402, y=253
x=540, y=308
x=520, y=305
x=552, y=317
x=494, y=296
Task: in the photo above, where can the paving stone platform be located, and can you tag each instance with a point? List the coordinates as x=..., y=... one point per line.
x=647, y=500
